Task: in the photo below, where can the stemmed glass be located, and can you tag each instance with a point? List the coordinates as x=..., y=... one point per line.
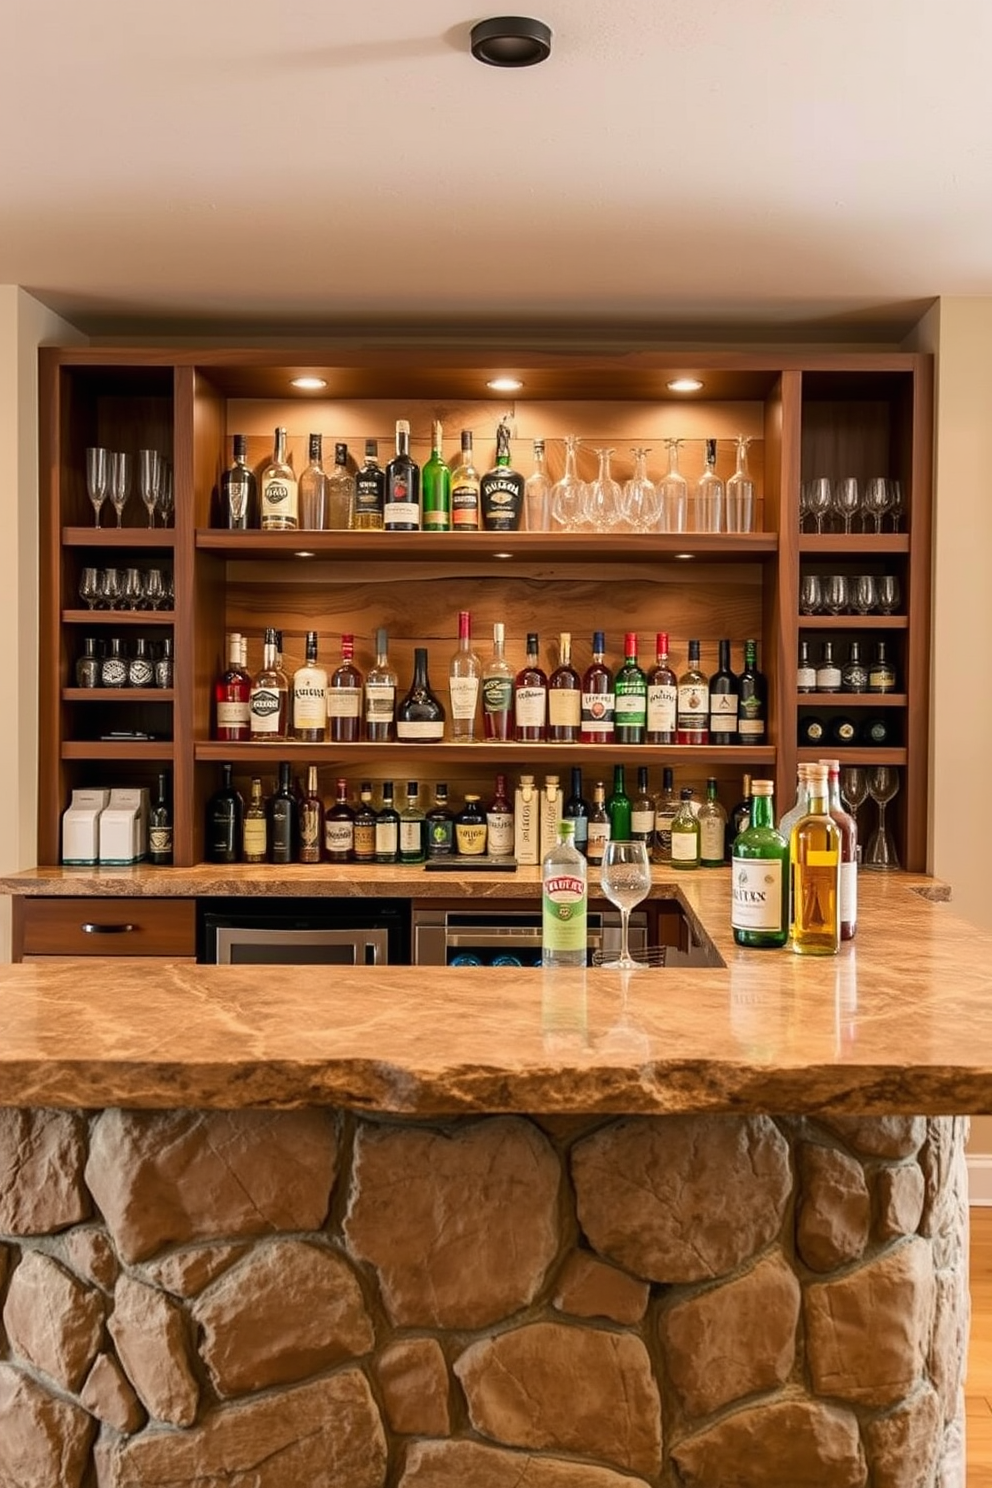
x=110, y=588
x=889, y=594
x=604, y=498
x=149, y=473
x=811, y=594
x=847, y=500
x=835, y=594
x=166, y=502
x=97, y=477
x=878, y=499
x=625, y=878
x=120, y=483
x=641, y=502
x=897, y=504
x=567, y=493
x=132, y=589
x=89, y=587
x=862, y=593
x=883, y=784
x=154, y=588
x=819, y=499
x=674, y=489
x=854, y=789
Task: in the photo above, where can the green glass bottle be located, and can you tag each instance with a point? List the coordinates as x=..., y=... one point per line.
x=685, y=833
x=619, y=808
x=631, y=690
x=435, y=486
x=759, y=879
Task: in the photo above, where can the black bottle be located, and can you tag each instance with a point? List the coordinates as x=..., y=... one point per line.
x=752, y=722
x=370, y=490
x=812, y=731
x=440, y=825
x=239, y=489
x=420, y=716
x=724, y=700
x=225, y=821
x=854, y=673
x=387, y=828
x=284, y=821
x=877, y=732
x=576, y=809
x=740, y=818
x=842, y=731
x=160, y=827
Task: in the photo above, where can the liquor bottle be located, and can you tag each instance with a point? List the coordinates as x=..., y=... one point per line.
x=344, y=697
x=284, y=819
x=380, y=694
x=268, y=705
x=812, y=730
x=387, y=827
x=842, y=730
x=88, y=665
x=665, y=808
x=663, y=696
x=848, y=852
x=552, y=804
x=311, y=820
x=413, y=827
x=692, y=724
x=239, y=490
x=598, y=698
x=497, y=690
x=470, y=829
x=598, y=834
x=724, y=700
x=709, y=495
x=805, y=670
x=799, y=806
x=370, y=491
x=881, y=672
x=854, y=673
x=501, y=489
x=279, y=493
x=465, y=489
x=712, y=821
x=225, y=821
x=740, y=818
x=499, y=822
x=309, y=703
x=827, y=671
x=401, y=512
x=440, y=825
x=339, y=828
x=232, y=696
x=435, y=482
x=530, y=696
x=537, y=493
x=564, y=902
x=255, y=838
x=564, y=696
x=464, y=677
x=642, y=812
x=576, y=809
x=313, y=488
x=420, y=716
x=619, y=808
x=759, y=879
x=160, y=826
x=140, y=672
x=877, y=732
x=363, y=838
x=752, y=686
x=526, y=821
x=631, y=696
x=340, y=493
x=685, y=833
x=814, y=855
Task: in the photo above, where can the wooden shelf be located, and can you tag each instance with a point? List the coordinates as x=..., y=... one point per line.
x=854, y=754
x=163, y=538
x=407, y=547
x=118, y=749
x=853, y=622
x=851, y=699
x=119, y=617
x=845, y=544
x=492, y=753
x=118, y=695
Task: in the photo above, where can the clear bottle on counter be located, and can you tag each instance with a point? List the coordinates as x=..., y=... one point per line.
x=848, y=852
x=564, y=902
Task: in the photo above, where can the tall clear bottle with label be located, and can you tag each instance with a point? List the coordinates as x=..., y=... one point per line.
x=279, y=493
x=464, y=679
x=564, y=902
x=759, y=877
x=380, y=694
x=465, y=507
x=309, y=696
x=313, y=489
x=666, y=806
x=712, y=821
x=497, y=690
x=269, y=700
x=340, y=493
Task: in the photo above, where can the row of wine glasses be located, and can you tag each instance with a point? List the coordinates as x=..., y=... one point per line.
x=827, y=505
x=878, y=783
x=109, y=473
x=126, y=589
x=842, y=594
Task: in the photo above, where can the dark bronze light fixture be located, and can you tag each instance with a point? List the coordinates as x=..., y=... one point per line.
x=511, y=41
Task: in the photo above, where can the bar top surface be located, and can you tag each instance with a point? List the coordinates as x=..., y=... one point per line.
x=900, y=1021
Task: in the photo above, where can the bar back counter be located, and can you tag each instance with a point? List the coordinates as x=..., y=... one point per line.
x=380, y=1229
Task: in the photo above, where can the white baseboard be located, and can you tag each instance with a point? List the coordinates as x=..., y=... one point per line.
x=979, y=1178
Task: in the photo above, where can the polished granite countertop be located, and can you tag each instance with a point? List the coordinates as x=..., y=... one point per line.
x=900, y=1021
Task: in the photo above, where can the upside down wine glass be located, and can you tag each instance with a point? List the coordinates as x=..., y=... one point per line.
x=625, y=878
x=567, y=493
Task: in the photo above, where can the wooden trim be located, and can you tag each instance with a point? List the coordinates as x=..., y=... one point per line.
x=917, y=783
x=783, y=603
x=52, y=674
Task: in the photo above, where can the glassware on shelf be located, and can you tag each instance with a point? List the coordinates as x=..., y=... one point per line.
x=835, y=594
x=847, y=500
x=819, y=499
x=97, y=478
x=709, y=495
x=166, y=500
x=110, y=589
x=155, y=592
x=862, y=592
x=877, y=499
x=567, y=494
x=625, y=878
x=120, y=483
x=674, y=491
x=537, y=493
x=149, y=464
x=854, y=791
x=889, y=594
x=897, y=504
x=740, y=492
x=883, y=785
x=89, y=587
x=641, y=501
x=603, y=503
x=132, y=589
x=810, y=594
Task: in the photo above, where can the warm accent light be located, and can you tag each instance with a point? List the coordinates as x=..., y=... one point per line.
x=684, y=385
x=502, y=555
x=505, y=384
x=304, y=553
x=684, y=556
x=309, y=384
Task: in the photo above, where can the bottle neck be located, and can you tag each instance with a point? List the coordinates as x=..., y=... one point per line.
x=762, y=811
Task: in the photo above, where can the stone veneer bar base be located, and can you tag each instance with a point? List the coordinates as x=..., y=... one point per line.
x=309, y=1299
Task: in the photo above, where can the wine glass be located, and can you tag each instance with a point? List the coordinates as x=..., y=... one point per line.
x=883, y=784
x=89, y=587
x=835, y=594
x=567, y=493
x=854, y=792
x=641, y=502
x=120, y=483
x=132, y=589
x=625, y=878
x=862, y=593
x=154, y=588
x=603, y=497
x=149, y=474
x=110, y=588
x=811, y=594
x=166, y=501
x=819, y=499
x=878, y=499
x=674, y=490
x=97, y=477
x=847, y=500
x=889, y=594
x=897, y=504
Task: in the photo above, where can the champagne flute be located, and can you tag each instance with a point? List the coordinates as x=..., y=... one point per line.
x=625, y=878
x=854, y=793
x=97, y=477
x=120, y=483
x=897, y=504
x=166, y=501
x=149, y=473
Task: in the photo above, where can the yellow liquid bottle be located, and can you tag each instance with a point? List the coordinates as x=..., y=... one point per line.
x=815, y=853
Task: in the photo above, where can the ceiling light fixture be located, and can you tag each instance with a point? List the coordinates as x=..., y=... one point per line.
x=309, y=384
x=511, y=41
x=505, y=384
x=684, y=385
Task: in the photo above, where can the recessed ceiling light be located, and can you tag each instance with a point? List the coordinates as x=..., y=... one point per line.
x=504, y=384
x=511, y=41
x=309, y=384
x=684, y=385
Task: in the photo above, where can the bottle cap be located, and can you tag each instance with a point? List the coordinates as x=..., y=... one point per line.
x=412, y=787
x=340, y=454
x=693, y=650
x=533, y=643
x=662, y=643
x=382, y=639
x=566, y=827
x=630, y=643
x=762, y=787
x=240, y=444
x=599, y=640
x=685, y=793
x=371, y=449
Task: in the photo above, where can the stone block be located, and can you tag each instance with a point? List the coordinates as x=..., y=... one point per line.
x=169, y=1177
x=53, y=1320
x=588, y=1287
x=554, y=1388
x=469, y=1464
x=107, y=1394
x=186, y=1272
x=288, y=1310
x=734, y=1339
x=413, y=1382
x=42, y=1156
x=867, y=1333
x=834, y=1213
x=682, y=1198
x=785, y=1444
x=879, y=1136
x=87, y=1251
x=482, y=1202
x=900, y=1195
x=45, y=1442
x=949, y=1340
x=902, y=1446
x=326, y=1434
x=147, y=1328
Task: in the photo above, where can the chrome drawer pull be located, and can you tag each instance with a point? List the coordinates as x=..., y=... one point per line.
x=91, y=929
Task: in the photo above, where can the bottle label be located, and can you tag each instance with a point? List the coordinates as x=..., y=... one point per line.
x=581, y=837
x=440, y=836
x=309, y=833
x=849, y=893
x=598, y=711
x=642, y=824
x=806, y=679
x=368, y=497
x=630, y=707
x=464, y=696
x=828, y=679
x=339, y=835
x=309, y=707
x=663, y=833
x=264, y=708
x=685, y=847
x=531, y=707
x=756, y=894
x=693, y=706
x=256, y=839
x=400, y=513
x=564, y=707
x=723, y=713
x=564, y=913
x=232, y=715
x=751, y=728
x=380, y=702
x=237, y=489
x=881, y=679
x=711, y=835
x=662, y=706
x=279, y=501
x=597, y=837
x=471, y=838
x=386, y=838
x=411, y=835
x=139, y=672
x=344, y=702
x=160, y=839
x=465, y=507
x=113, y=672
x=500, y=829
x=427, y=728
x=497, y=695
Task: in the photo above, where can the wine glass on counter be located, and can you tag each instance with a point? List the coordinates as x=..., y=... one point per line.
x=625, y=878
x=97, y=477
x=149, y=463
x=854, y=791
x=883, y=785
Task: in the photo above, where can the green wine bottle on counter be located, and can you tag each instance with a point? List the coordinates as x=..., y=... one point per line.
x=759, y=903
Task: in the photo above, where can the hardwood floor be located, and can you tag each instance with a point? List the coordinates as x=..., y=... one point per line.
x=978, y=1387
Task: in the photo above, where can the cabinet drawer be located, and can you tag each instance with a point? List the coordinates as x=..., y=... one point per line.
x=105, y=927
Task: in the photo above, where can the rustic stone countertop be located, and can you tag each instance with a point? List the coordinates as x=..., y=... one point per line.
x=900, y=1021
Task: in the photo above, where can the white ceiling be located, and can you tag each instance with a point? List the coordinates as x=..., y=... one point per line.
x=675, y=165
